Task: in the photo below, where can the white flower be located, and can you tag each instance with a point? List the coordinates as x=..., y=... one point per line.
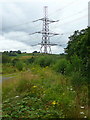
x=16, y=96
x=71, y=89
x=82, y=113
x=82, y=107
x=85, y=116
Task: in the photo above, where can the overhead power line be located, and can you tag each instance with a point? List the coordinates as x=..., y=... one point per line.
x=70, y=22
x=28, y=22
x=57, y=26
x=80, y=12
x=19, y=24
x=32, y=22
x=60, y=9
x=74, y=14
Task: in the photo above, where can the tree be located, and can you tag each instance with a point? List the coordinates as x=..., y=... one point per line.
x=5, y=58
x=35, y=52
x=78, y=44
x=19, y=52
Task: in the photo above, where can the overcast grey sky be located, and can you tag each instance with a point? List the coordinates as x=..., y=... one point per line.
x=17, y=22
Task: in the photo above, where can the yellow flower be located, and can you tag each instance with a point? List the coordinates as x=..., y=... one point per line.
x=33, y=68
x=47, y=67
x=34, y=86
x=54, y=102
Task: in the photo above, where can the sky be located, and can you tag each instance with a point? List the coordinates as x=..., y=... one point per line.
x=16, y=23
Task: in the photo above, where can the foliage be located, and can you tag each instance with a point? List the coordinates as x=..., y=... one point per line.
x=78, y=51
x=5, y=59
x=28, y=97
x=30, y=60
x=8, y=69
x=77, y=79
x=19, y=52
x=78, y=44
x=19, y=65
x=14, y=61
x=44, y=61
x=61, y=66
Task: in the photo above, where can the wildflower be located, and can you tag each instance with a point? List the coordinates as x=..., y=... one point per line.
x=44, y=91
x=33, y=68
x=71, y=89
x=82, y=113
x=16, y=96
x=82, y=107
x=46, y=66
x=34, y=86
x=85, y=116
x=54, y=102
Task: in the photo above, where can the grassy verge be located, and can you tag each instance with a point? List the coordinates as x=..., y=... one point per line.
x=40, y=93
x=44, y=86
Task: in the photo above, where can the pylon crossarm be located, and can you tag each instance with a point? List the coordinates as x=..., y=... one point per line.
x=54, y=33
x=38, y=20
x=47, y=44
x=52, y=21
x=44, y=32
x=32, y=33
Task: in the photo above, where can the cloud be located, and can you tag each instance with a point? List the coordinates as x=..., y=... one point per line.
x=23, y=37
x=57, y=49
x=89, y=14
x=18, y=16
x=9, y=44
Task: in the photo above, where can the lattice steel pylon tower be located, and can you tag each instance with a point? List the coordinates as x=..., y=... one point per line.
x=46, y=34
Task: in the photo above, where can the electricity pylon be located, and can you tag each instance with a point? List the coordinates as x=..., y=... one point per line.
x=46, y=34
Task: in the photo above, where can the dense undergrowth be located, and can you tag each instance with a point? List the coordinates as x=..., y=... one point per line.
x=47, y=87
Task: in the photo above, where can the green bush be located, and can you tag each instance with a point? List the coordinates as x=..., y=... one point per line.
x=77, y=79
x=77, y=63
x=14, y=61
x=44, y=61
x=19, y=65
x=74, y=65
x=30, y=60
x=61, y=66
x=6, y=59
x=69, y=69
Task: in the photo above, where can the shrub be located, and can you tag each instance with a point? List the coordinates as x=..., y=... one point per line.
x=77, y=79
x=12, y=54
x=61, y=66
x=76, y=63
x=30, y=60
x=19, y=65
x=69, y=69
x=5, y=58
x=14, y=61
x=44, y=61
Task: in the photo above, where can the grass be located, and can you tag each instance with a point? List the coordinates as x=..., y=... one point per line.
x=0, y=67
x=41, y=92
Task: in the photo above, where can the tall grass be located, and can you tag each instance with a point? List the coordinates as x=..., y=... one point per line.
x=51, y=88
